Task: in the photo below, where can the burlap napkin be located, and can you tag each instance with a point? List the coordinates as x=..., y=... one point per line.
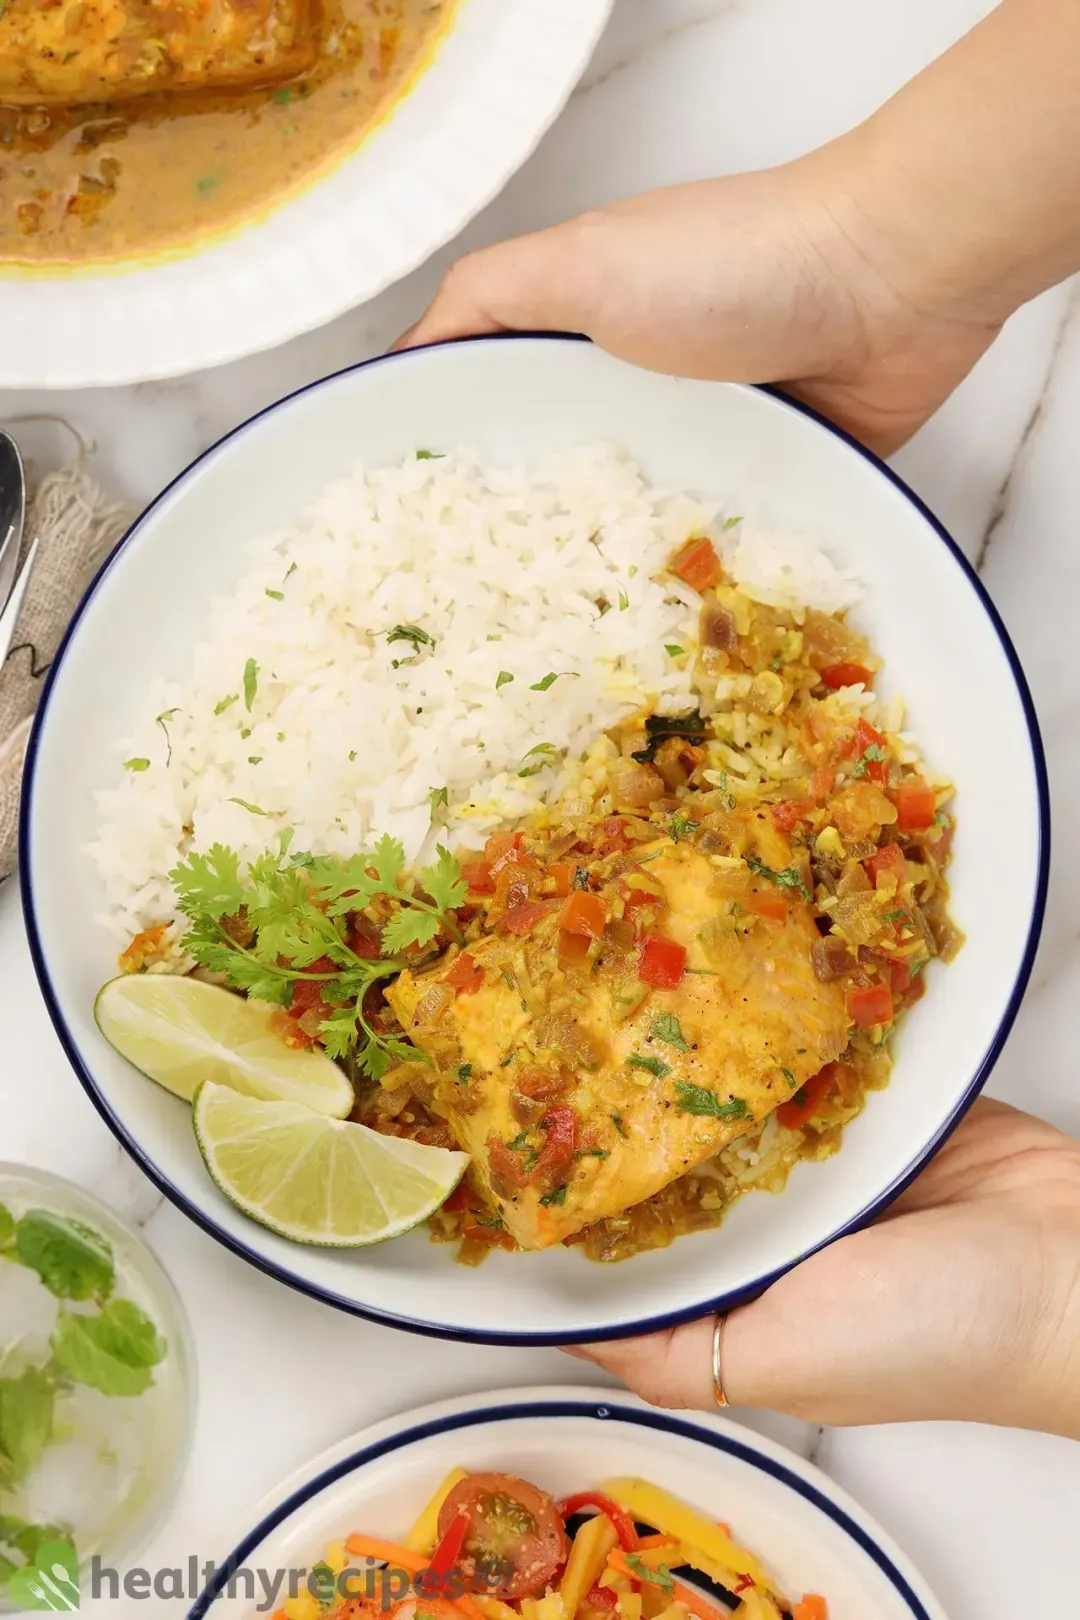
x=77, y=523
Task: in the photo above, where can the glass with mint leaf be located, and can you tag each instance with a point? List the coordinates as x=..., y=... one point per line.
x=94, y=1372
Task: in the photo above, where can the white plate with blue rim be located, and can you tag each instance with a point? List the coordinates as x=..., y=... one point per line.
x=943, y=646
x=809, y=1534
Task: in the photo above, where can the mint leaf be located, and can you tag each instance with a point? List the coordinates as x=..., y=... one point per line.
x=72, y=1261
x=26, y=1423
x=656, y=1577
x=113, y=1352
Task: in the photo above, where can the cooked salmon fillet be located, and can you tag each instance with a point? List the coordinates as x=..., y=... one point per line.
x=659, y=1091
x=75, y=51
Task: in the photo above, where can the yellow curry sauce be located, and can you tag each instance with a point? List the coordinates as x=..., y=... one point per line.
x=85, y=181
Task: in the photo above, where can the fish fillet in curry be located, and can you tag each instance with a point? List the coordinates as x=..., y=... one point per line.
x=580, y=1090
x=77, y=51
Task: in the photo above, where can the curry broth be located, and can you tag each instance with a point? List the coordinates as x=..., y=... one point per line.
x=104, y=182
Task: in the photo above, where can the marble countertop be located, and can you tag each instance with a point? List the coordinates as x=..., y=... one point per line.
x=678, y=89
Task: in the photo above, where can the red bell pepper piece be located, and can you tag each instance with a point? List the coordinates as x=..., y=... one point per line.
x=621, y=1520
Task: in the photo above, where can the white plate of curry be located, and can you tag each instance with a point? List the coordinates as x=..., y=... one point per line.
x=523, y=399
x=186, y=184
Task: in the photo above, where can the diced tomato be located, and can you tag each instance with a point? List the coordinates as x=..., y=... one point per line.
x=583, y=913
x=698, y=564
x=870, y=1005
x=459, y=1200
x=540, y=1085
x=523, y=918
x=505, y=1166
x=496, y=1237
x=365, y=938
x=502, y=847
x=557, y=1154
x=889, y=858
x=866, y=736
x=477, y=875
x=623, y=1523
x=573, y=947
x=807, y=1100
x=662, y=963
x=768, y=903
x=899, y=979
x=307, y=993
x=615, y=840
x=464, y=976
x=786, y=816
x=601, y=1599
x=823, y=779
x=838, y=675
x=916, y=805
x=563, y=874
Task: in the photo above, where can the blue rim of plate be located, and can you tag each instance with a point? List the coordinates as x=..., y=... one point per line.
x=647, y=1324
x=602, y=1411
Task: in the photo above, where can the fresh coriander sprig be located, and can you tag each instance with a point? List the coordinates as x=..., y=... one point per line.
x=292, y=909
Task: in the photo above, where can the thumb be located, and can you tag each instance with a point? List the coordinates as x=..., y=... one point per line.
x=537, y=283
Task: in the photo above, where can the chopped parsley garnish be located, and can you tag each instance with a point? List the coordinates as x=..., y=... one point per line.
x=254, y=809
x=942, y=819
x=624, y=601
x=290, y=570
x=136, y=764
x=544, y=749
x=543, y=684
x=788, y=878
x=617, y=1121
x=352, y=756
x=439, y=798
x=661, y=1577
x=667, y=1028
x=556, y=1196
x=297, y=906
x=503, y=678
x=673, y=649
x=251, y=683
x=591, y=1153
x=494, y=1221
x=700, y=1100
x=464, y=1073
x=729, y=523
x=275, y=596
x=654, y=1065
x=411, y=633
x=162, y=720
x=683, y=827
x=659, y=727
x=873, y=755
x=226, y=702
x=893, y=916
x=254, y=759
x=790, y=1078
x=430, y=455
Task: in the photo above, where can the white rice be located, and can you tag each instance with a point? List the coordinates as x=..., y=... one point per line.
x=349, y=734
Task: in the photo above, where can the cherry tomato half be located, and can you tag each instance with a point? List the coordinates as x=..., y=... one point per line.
x=514, y=1529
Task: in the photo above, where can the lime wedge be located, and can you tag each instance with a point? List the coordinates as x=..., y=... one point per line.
x=181, y=1032
x=318, y=1180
